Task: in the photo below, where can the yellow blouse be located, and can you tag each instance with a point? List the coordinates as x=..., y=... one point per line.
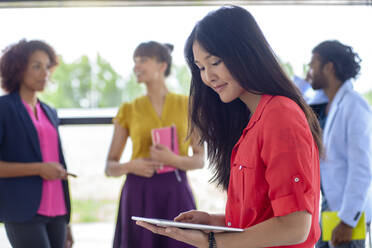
x=139, y=117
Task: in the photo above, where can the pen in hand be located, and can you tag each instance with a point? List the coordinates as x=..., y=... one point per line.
x=71, y=174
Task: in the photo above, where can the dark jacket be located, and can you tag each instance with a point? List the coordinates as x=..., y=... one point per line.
x=20, y=196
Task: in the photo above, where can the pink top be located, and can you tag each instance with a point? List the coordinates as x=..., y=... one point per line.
x=52, y=197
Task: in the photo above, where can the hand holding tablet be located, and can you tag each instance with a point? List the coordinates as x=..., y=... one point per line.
x=170, y=223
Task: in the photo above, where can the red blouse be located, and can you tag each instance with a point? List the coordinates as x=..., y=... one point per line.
x=274, y=168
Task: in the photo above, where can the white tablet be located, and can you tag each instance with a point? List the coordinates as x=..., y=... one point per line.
x=165, y=223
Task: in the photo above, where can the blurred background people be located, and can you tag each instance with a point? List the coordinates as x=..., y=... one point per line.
x=34, y=194
x=346, y=171
x=310, y=95
x=147, y=193
x=317, y=99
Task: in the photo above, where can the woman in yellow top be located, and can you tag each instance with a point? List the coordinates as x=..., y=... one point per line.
x=148, y=193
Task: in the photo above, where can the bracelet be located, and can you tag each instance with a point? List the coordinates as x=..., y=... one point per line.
x=212, y=240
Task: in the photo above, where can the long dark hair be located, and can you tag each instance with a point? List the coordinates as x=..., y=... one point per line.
x=232, y=34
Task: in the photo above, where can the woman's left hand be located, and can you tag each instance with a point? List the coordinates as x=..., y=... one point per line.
x=162, y=154
x=193, y=237
x=69, y=239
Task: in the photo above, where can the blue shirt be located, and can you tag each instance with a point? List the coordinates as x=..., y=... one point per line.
x=345, y=170
x=311, y=96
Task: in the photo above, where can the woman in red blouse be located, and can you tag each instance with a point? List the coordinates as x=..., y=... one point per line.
x=263, y=140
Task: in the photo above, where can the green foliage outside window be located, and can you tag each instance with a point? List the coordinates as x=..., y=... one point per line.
x=95, y=84
x=368, y=97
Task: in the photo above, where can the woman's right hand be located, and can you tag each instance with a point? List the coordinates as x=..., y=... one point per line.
x=52, y=171
x=143, y=167
x=194, y=216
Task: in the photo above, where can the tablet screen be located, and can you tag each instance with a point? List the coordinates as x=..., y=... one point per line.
x=165, y=223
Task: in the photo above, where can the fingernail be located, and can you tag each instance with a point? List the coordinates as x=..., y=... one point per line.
x=168, y=230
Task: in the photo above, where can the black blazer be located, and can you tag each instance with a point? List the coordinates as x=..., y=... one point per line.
x=20, y=196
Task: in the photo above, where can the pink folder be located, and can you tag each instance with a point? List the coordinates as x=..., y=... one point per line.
x=166, y=136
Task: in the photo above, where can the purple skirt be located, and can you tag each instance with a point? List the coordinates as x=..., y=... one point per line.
x=161, y=196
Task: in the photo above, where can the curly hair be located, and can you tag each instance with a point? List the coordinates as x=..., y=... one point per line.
x=14, y=60
x=346, y=62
